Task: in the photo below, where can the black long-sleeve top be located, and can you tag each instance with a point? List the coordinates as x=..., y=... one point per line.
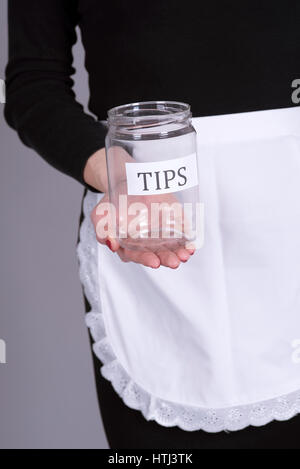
x=219, y=56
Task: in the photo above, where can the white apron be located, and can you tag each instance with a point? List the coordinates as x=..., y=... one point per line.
x=214, y=345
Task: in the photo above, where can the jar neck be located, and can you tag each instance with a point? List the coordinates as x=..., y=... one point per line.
x=149, y=117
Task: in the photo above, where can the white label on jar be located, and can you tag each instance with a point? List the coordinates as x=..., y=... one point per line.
x=162, y=177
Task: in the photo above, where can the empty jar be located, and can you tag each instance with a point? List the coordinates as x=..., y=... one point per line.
x=151, y=151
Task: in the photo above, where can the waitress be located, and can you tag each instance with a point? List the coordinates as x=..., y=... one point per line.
x=182, y=353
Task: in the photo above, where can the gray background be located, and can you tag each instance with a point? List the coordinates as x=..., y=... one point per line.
x=47, y=392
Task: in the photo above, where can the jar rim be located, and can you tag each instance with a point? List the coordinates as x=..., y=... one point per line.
x=158, y=111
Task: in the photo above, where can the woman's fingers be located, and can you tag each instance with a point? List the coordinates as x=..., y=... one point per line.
x=166, y=258
x=169, y=259
x=182, y=254
x=148, y=259
x=103, y=222
x=111, y=243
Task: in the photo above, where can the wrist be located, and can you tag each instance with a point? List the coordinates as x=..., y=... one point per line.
x=95, y=171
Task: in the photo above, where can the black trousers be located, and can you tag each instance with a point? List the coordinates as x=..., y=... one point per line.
x=128, y=429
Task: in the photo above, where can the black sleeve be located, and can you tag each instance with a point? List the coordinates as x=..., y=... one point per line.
x=40, y=102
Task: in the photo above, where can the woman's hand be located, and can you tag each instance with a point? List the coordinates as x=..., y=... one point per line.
x=169, y=254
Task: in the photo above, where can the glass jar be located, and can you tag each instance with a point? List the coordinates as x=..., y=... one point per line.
x=151, y=151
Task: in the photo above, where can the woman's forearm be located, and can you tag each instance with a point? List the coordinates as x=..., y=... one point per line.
x=40, y=102
x=95, y=172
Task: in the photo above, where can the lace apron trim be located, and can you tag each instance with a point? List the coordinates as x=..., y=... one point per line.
x=163, y=412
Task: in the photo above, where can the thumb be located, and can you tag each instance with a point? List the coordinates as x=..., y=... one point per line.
x=104, y=221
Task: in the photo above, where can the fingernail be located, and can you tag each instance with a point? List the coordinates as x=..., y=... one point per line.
x=109, y=245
